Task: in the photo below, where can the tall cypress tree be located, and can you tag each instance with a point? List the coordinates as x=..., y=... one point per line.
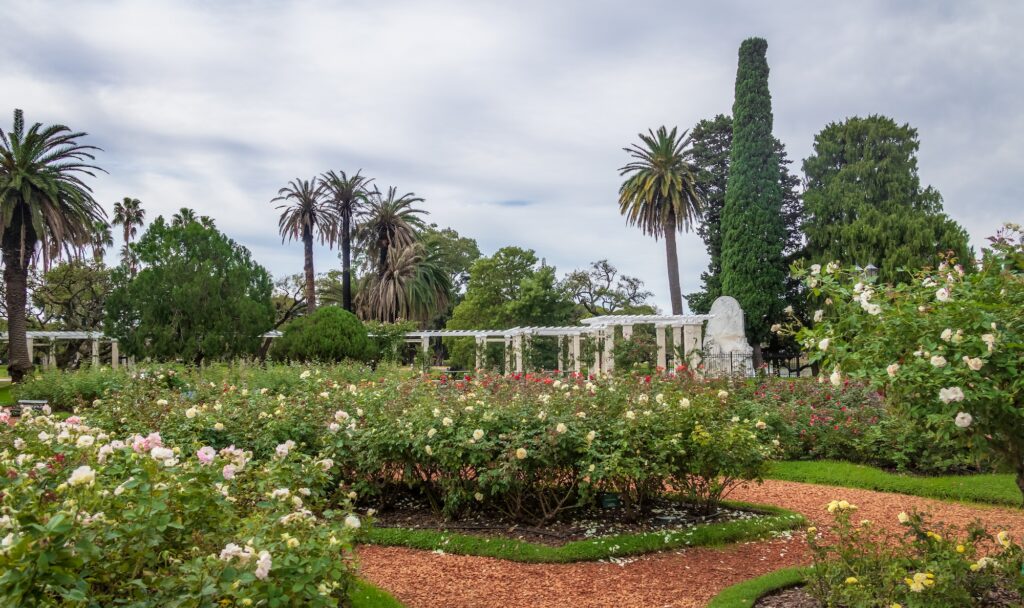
x=712, y=146
x=753, y=229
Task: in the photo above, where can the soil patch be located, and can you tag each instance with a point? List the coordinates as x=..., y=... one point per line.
x=665, y=515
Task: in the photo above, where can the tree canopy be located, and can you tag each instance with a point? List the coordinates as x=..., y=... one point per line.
x=198, y=296
x=865, y=203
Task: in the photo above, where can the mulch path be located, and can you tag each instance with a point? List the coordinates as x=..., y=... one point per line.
x=678, y=579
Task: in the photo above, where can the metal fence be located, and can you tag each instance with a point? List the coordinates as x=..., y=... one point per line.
x=783, y=365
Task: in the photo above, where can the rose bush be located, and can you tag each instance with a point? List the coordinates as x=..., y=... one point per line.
x=92, y=518
x=925, y=565
x=946, y=346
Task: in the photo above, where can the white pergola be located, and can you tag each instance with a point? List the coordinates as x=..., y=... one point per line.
x=687, y=331
x=687, y=337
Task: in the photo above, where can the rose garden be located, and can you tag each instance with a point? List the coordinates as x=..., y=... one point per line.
x=432, y=427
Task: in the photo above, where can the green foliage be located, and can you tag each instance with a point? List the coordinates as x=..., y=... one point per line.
x=601, y=290
x=987, y=489
x=65, y=391
x=753, y=231
x=865, y=204
x=330, y=334
x=508, y=289
x=455, y=253
x=199, y=297
x=712, y=147
x=926, y=565
x=72, y=295
x=639, y=354
x=388, y=339
x=946, y=346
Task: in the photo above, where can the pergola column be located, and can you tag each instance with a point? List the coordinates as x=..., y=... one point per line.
x=691, y=339
x=678, y=351
x=95, y=352
x=481, y=344
x=597, y=353
x=508, y=354
x=425, y=347
x=115, y=357
x=31, y=349
x=517, y=347
x=51, y=358
x=659, y=333
x=627, y=332
x=561, y=357
x=576, y=363
x=609, y=344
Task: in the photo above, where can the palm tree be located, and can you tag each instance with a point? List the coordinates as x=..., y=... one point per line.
x=391, y=224
x=44, y=201
x=102, y=237
x=306, y=215
x=129, y=213
x=414, y=286
x=661, y=195
x=183, y=216
x=348, y=196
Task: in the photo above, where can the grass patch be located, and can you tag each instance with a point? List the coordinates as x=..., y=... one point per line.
x=743, y=595
x=365, y=595
x=6, y=397
x=984, y=489
x=621, y=545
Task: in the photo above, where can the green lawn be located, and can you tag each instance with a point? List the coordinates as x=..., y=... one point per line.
x=743, y=595
x=365, y=595
x=985, y=489
x=622, y=545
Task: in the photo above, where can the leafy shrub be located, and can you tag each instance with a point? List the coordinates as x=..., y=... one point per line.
x=926, y=565
x=331, y=333
x=946, y=347
x=638, y=354
x=67, y=390
x=388, y=339
x=91, y=520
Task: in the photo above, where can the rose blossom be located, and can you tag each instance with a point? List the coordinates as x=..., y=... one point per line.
x=963, y=420
x=206, y=454
x=953, y=393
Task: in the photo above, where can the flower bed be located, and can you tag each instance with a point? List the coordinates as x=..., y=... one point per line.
x=91, y=518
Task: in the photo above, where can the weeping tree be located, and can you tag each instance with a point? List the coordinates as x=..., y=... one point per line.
x=305, y=215
x=348, y=195
x=661, y=195
x=44, y=203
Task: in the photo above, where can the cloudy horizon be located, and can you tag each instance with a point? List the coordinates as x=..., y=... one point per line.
x=508, y=119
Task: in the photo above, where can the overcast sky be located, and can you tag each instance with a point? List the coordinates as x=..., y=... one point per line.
x=508, y=118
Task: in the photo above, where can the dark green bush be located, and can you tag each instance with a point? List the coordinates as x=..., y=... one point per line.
x=329, y=334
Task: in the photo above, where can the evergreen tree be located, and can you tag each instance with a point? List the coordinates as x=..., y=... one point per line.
x=753, y=231
x=865, y=204
x=712, y=145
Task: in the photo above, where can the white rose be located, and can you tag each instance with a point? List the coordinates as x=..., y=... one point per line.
x=938, y=361
x=823, y=345
x=478, y=434
x=975, y=363
x=942, y=295
x=836, y=378
x=819, y=315
x=963, y=420
x=946, y=334
x=951, y=394
x=561, y=428
x=191, y=412
x=892, y=369
x=83, y=475
x=815, y=269
x=85, y=441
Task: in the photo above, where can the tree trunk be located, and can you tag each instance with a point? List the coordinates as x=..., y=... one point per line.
x=758, y=356
x=346, y=262
x=673, y=268
x=307, y=245
x=16, y=253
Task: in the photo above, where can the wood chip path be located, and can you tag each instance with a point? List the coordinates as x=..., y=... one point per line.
x=678, y=579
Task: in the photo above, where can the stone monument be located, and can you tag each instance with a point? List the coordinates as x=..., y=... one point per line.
x=726, y=350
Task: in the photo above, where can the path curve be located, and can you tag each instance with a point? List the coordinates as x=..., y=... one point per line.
x=678, y=579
